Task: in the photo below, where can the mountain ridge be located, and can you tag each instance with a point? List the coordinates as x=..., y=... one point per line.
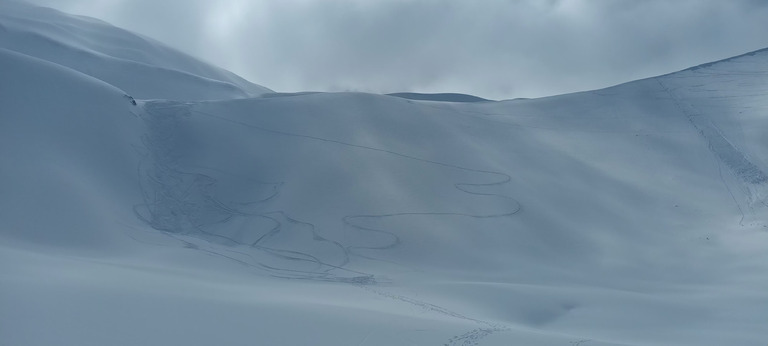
x=83, y=45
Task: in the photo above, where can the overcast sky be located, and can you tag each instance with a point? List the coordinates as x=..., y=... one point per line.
x=492, y=48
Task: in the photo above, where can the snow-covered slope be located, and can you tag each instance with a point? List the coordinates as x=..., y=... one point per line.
x=66, y=155
x=632, y=215
x=138, y=65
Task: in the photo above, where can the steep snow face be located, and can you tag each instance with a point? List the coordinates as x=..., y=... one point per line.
x=631, y=215
x=609, y=191
x=565, y=184
x=138, y=65
x=68, y=156
x=726, y=102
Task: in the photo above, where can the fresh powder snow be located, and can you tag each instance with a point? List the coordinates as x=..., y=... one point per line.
x=148, y=198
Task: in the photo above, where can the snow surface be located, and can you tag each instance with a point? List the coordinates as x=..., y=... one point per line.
x=141, y=66
x=206, y=214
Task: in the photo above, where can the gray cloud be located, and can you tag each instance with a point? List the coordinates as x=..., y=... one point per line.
x=491, y=48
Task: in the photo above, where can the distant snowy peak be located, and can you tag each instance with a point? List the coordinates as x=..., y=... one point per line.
x=440, y=97
x=138, y=65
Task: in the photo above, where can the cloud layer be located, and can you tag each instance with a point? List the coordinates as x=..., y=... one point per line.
x=492, y=48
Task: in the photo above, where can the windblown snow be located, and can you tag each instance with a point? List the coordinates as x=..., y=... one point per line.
x=149, y=198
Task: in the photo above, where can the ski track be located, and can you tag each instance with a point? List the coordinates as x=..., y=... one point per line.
x=170, y=206
x=167, y=183
x=166, y=177
x=470, y=338
x=752, y=177
x=173, y=195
